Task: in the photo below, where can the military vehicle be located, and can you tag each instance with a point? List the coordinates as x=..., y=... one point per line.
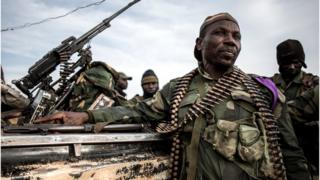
x=120, y=151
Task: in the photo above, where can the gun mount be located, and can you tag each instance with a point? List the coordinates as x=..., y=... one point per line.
x=48, y=98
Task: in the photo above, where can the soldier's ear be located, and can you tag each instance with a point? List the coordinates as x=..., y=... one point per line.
x=199, y=44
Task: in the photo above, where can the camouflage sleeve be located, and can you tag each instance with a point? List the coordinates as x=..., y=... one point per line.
x=294, y=160
x=89, y=86
x=12, y=97
x=305, y=108
x=315, y=80
x=149, y=110
x=133, y=101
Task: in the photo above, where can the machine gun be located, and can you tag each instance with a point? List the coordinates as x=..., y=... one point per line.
x=38, y=77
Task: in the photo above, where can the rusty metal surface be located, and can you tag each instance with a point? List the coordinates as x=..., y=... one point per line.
x=135, y=155
x=135, y=166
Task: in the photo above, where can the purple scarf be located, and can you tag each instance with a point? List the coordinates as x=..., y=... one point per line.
x=268, y=83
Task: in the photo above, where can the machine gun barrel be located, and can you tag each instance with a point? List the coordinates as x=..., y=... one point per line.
x=100, y=27
x=40, y=71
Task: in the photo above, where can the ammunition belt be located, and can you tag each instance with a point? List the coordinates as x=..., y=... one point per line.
x=65, y=70
x=271, y=127
x=178, y=94
x=219, y=92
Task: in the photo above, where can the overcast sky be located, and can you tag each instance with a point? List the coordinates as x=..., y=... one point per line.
x=157, y=34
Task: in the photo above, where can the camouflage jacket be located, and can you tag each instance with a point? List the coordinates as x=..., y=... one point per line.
x=11, y=98
x=135, y=100
x=302, y=82
x=305, y=108
x=236, y=108
x=304, y=111
x=95, y=86
x=12, y=102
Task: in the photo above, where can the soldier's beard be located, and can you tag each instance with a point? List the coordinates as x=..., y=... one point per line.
x=289, y=73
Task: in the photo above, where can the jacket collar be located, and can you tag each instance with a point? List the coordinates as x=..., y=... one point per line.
x=297, y=79
x=206, y=75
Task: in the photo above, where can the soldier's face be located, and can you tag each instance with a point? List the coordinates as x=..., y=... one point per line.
x=150, y=88
x=290, y=68
x=122, y=83
x=221, y=43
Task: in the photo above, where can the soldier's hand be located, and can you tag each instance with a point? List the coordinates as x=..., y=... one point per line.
x=69, y=118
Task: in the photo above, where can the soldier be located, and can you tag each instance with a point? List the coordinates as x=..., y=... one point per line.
x=11, y=98
x=225, y=124
x=292, y=81
x=122, y=84
x=304, y=110
x=13, y=103
x=149, y=84
x=95, y=88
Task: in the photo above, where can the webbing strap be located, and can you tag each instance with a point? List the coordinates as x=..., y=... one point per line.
x=194, y=147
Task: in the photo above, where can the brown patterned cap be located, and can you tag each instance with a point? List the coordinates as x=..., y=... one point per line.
x=149, y=77
x=217, y=17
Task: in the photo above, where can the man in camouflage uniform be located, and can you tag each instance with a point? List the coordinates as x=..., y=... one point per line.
x=11, y=98
x=292, y=81
x=149, y=84
x=13, y=103
x=122, y=84
x=305, y=110
x=225, y=124
x=95, y=89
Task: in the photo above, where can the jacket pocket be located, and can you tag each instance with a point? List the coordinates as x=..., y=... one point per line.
x=224, y=137
x=251, y=144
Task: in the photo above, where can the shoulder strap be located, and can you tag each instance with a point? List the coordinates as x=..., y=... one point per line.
x=193, y=148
